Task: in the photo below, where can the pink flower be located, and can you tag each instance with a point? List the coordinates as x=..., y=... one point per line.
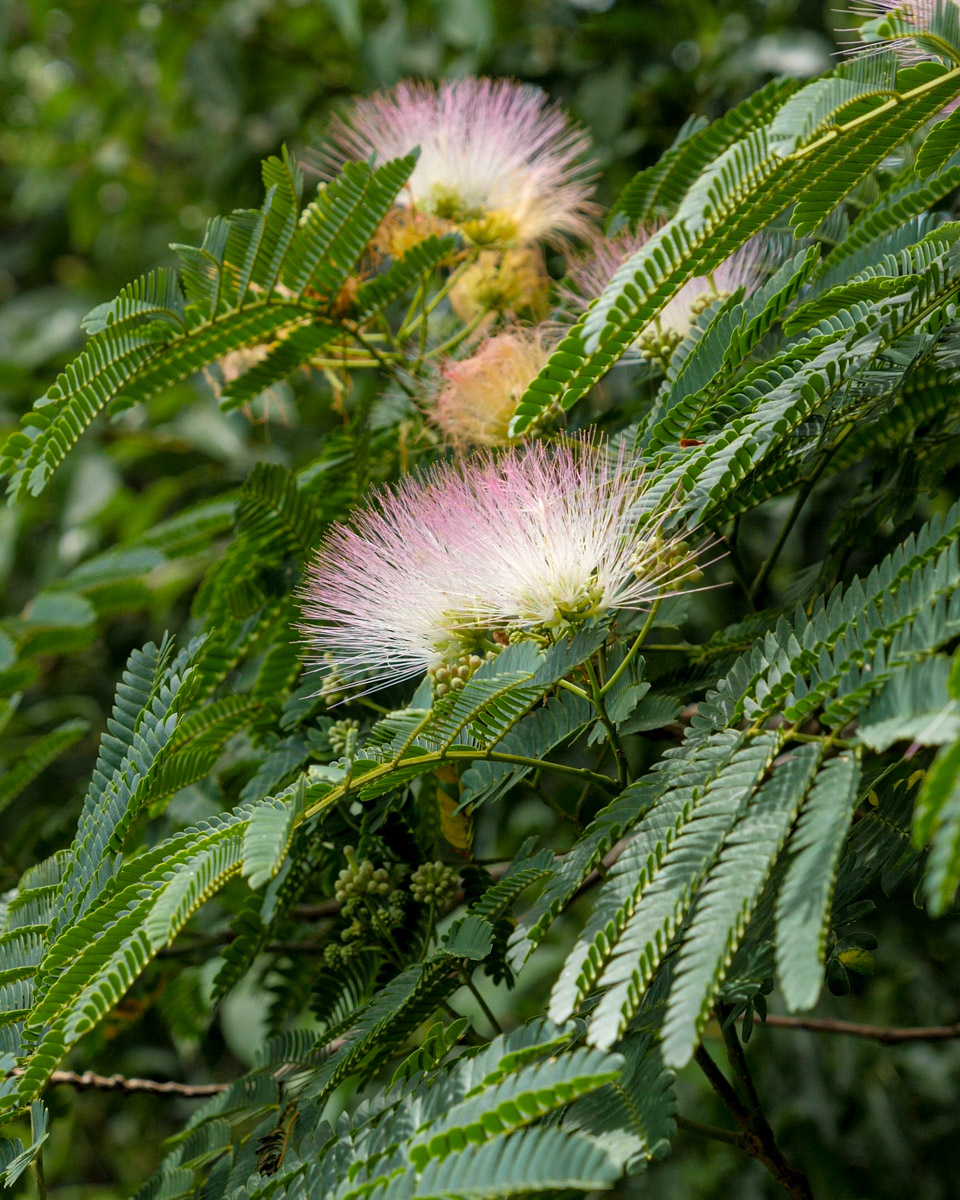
x=593, y=271
x=900, y=26
x=536, y=539
x=491, y=151
x=561, y=536
x=477, y=396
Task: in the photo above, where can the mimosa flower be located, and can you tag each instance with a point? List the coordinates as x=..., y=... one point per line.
x=593, y=271
x=495, y=159
x=561, y=536
x=535, y=540
x=477, y=396
x=384, y=600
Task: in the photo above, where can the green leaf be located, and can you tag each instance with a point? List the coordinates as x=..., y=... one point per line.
x=530, y=1160
x=37, y=757
x=268, y=835
x=470, y=937
x=15, y=1158
x=635, y=1112
x=516, y=1100
x=937, y=820
x=727, y=899
x=806, y=894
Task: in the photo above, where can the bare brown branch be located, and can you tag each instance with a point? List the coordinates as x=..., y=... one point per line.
x=887, y=1035
x=123, y=1083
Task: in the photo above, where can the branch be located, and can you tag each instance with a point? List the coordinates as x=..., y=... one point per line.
x=757, y=1138
x=887, y=1035
x=89, y=1080
x=121, y=1083
x=709, y=1131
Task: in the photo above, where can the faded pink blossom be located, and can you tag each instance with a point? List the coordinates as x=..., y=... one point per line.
x=476, y=397
x=492, y=150
x=537, y=538
x=591, y=273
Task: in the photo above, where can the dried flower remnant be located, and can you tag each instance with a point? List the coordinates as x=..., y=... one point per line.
x=270, y=404
x=513, y=281
x=496, y=159
x=593, y=271
x=904, y=26
x=477, y=396
x=534, y=541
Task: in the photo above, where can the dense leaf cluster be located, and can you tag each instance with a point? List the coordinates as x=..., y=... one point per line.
x=811, y=745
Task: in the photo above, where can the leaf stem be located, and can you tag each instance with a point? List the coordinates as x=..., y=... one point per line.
x=633, y=651
x=892, y=1035
x=484, y=1007
x=802, y=496
x=38, y=1172
x=427, y=308
x=584, y=773
x=386, y=364
x=452, y=342
x=619, y=754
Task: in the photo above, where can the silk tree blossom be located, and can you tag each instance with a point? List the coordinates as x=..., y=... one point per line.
x=562, y=542
x=903, y=27
x=384, y=600
x=476, y=397
x=495, y=157
x=592, y=272
x=440, y=569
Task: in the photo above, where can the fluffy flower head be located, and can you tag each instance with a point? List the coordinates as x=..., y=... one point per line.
x=535, y=539
x=478, y=395
x=593, y=271
x=560, y=536
x=494, y=155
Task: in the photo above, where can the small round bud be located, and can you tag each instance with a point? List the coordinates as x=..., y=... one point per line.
x=433, y=883
x=341, y=732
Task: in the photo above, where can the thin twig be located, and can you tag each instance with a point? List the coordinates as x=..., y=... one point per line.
x=803, y=494
x=709, y=1131
x=484, y=1007
x=619, y=754
x=89, y=1081
x=737, y=1058
x=226, y=936
x=886, y=1035
x=633, y=651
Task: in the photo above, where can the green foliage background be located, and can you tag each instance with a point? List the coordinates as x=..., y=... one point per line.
x=125, y=127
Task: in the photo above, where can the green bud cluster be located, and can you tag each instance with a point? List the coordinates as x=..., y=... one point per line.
x=339, y=734
x=361, y=879
x=658, y=556
x=659, y=344
x=371, y=906
x=572, y=614
x=333, y=688
x=452, y=676
x=705, y=299
x=433, y=882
